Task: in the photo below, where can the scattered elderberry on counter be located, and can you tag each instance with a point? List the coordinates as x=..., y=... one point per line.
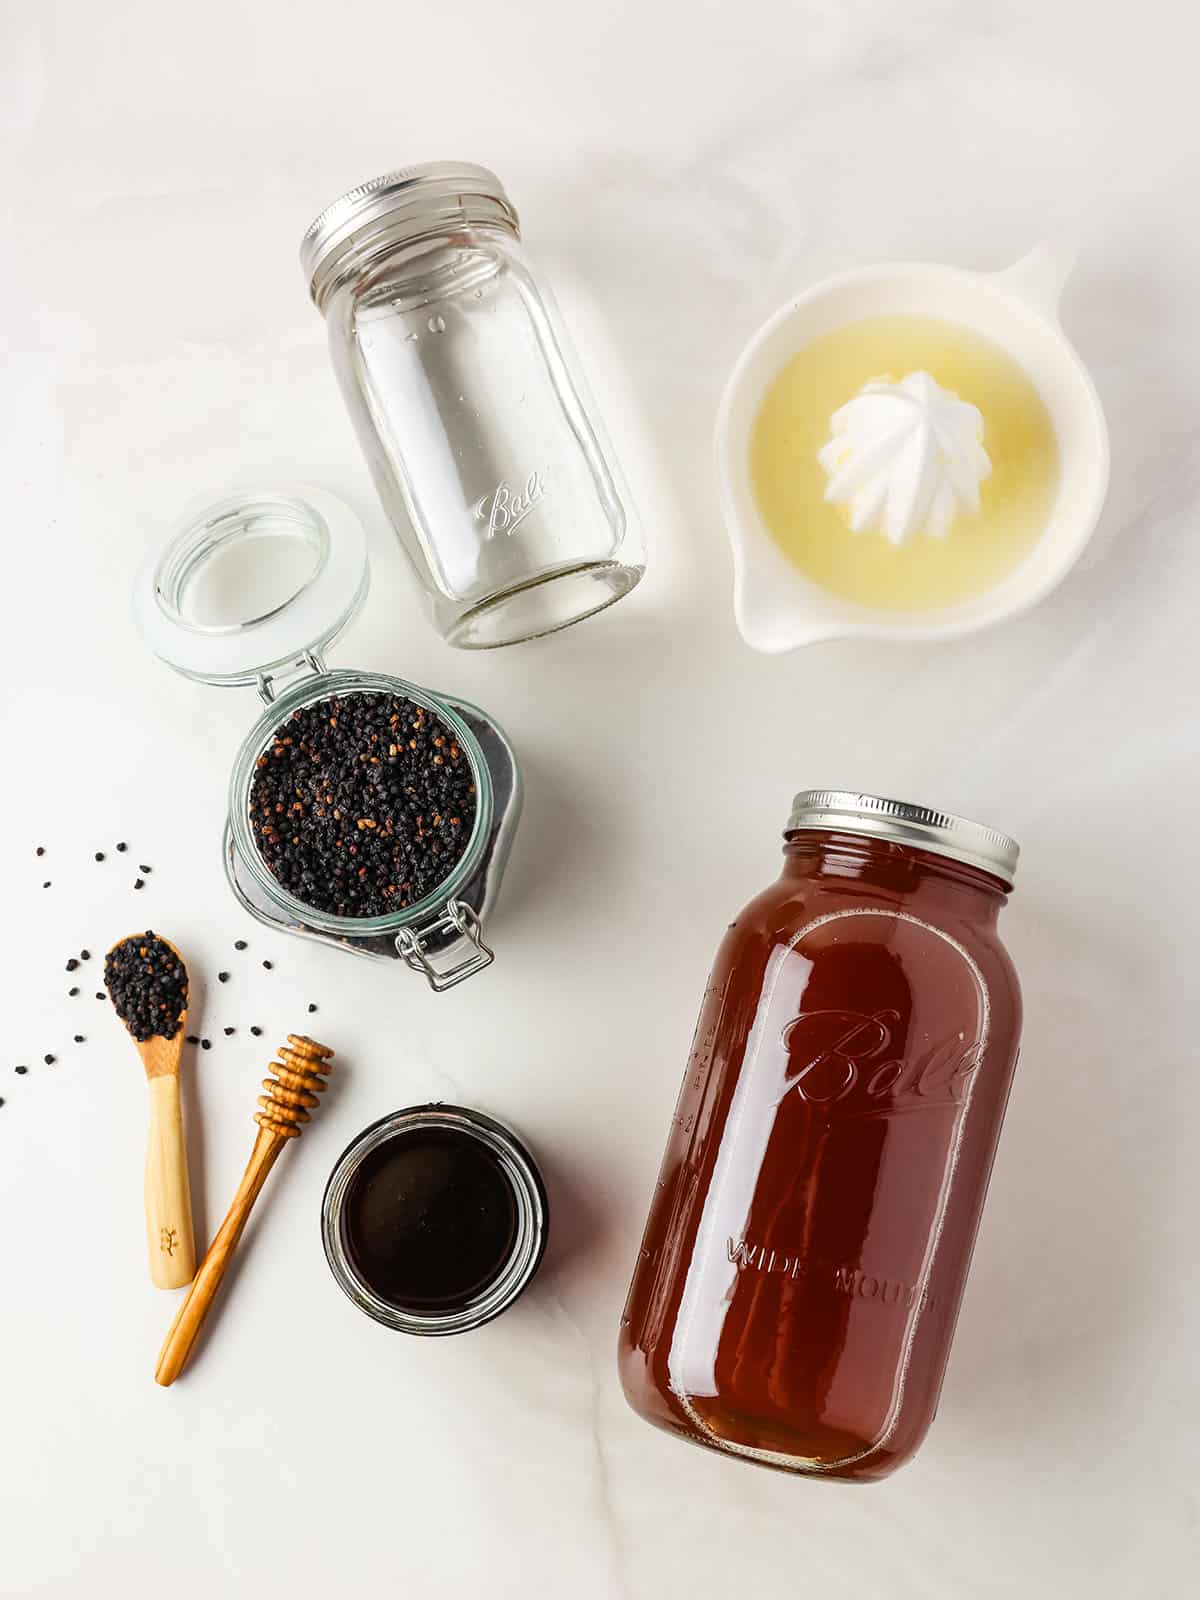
x=362, y=804
x=144, y=978
x=148, y=984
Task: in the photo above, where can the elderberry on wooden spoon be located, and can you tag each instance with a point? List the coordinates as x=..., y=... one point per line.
x=147, y=980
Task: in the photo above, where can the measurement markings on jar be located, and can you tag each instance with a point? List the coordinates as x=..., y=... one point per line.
x=700, y=1059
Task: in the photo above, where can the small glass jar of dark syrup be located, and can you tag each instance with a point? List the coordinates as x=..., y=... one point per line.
x=811, y=1231
x=435, y=1219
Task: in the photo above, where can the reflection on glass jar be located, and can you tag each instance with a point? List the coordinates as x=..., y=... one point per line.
x=484, y=443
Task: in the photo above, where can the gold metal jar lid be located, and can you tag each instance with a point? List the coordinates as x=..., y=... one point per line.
x=903, y=823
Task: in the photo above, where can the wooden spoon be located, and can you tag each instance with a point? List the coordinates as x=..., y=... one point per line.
x=169, y=1240
x=299, y=1078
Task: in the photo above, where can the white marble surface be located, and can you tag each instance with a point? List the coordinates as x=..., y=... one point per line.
x=687, y=165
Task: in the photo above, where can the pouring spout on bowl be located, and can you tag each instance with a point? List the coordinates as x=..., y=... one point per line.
x=773, y=630
x=1041, y=275
x=774, y=606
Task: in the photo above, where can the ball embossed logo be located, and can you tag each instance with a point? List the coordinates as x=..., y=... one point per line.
x=505, y=508
x=849, y=1059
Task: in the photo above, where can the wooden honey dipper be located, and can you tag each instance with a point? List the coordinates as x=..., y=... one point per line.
x=289, y=1096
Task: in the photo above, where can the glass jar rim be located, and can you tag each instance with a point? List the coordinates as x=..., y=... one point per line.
x=529, y=1194
x=300, y=620
x=339, y=683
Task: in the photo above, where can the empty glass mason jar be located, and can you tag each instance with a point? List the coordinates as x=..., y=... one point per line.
x=477, y=424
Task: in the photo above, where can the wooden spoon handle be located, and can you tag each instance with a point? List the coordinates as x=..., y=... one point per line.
x=168, y=1196
x=189, y=1319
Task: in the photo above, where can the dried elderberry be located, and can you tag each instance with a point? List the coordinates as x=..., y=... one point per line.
x=148, y=984
x=362, y=804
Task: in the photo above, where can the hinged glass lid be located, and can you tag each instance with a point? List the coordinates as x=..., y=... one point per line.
x=253, y=586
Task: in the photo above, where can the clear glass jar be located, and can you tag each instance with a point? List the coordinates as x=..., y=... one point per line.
x=810, y=1235
x=251, y=590
x=530, y=1219
x=482, y=438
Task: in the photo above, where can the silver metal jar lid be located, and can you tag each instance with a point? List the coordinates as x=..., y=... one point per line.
x=902, y=823
x=425, y=195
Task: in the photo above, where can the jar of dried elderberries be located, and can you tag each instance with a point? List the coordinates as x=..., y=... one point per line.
x=364, y=811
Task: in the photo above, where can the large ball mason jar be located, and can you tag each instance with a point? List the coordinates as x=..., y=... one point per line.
x=809, y=1238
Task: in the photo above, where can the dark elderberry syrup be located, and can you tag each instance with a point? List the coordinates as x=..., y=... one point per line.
x=430, y=1219
x=435, y=1219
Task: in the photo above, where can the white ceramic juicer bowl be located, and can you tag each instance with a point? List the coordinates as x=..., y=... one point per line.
x=776, y=607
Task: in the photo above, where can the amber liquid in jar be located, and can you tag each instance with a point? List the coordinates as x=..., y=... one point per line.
x=810, y=1234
